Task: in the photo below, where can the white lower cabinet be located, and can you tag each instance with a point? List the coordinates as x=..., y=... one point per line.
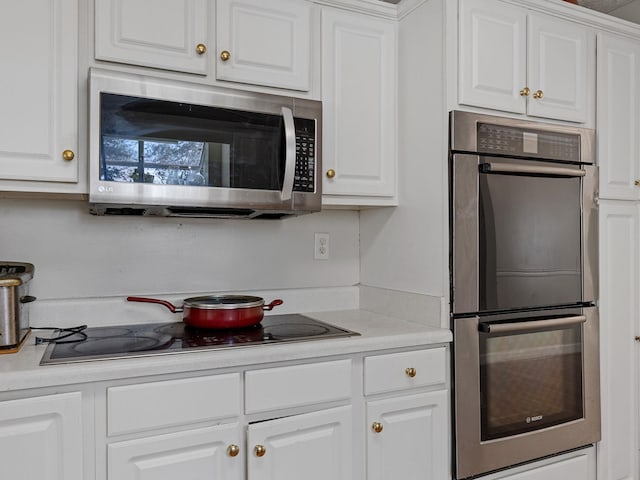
x=407, y=437
x=210, y=453
x=313, y=446
x=576, y=465
x=41, y=438
x=407, y=434
x=290, y=420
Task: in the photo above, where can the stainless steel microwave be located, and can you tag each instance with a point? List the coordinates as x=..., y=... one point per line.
x=167, y=148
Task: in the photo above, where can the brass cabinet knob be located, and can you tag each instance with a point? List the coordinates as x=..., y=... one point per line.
x=637, y=339
x=201, y=49
x=68, y=155
x=637, y=183
x=225, y=55
x=538, y=94
x=260, y=450
x=233, y=450
x=411, y=372
x=525, y=92
x=331, y=173
x=376, y=427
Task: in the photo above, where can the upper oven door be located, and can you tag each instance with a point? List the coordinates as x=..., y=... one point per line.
x=523, y=234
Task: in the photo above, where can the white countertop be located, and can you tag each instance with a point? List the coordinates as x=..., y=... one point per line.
x=22, y=370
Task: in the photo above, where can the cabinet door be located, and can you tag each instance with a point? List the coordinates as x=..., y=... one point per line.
x=359, y=101
x=619, y=243
x=39, y=90
x=264, y=43
x=41, y=437
x=492, y=55
x=408, y=437
x=210, y=453
x=559, y=70
x=153, y=33
x=618, y=116
x=313, y=446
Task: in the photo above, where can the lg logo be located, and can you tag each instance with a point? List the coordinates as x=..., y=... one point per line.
x=103, y=189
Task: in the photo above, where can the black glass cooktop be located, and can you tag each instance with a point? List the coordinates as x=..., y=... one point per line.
x=103, y=343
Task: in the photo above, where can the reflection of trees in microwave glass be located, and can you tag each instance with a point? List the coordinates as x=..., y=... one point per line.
x=151, y=161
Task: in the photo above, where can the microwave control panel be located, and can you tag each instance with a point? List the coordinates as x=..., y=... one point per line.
x=305, y=172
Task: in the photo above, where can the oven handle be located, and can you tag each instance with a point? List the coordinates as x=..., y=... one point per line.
x=530, y=169
x=486, y=327
x=290, y=154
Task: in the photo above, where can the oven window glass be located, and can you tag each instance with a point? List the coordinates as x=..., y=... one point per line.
x=169, y=143
x=530, y=241
x=530, y=381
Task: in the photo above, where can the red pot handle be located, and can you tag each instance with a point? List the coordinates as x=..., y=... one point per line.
x=169, y=305
x=275, y=303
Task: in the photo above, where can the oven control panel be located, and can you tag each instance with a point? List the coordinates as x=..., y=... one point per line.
x=505, y=140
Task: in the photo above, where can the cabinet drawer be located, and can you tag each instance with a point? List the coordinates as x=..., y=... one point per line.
x=297, y=385
x=135, y=408
x=576, y=467
x=398, y=371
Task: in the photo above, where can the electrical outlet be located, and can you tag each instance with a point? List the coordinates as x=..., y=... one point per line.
x=321, y=249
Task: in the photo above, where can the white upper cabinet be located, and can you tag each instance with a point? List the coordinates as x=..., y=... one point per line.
x=492, y=55
x=359, y=109
x=39, y=121
x=515, y=60
x=264, y=43
x=618, y=117
x=165, y=34
x=558, y=68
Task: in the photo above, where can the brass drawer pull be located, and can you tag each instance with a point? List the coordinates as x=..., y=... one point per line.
x=377, y=427
x=411, y=372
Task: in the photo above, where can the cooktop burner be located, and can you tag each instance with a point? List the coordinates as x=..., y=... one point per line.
x=104, y=343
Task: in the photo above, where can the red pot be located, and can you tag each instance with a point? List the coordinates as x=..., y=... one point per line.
x=218, y=311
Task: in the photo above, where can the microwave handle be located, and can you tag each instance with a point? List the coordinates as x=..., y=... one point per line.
x=531, y=170
x=290, y=154
x=513, y=327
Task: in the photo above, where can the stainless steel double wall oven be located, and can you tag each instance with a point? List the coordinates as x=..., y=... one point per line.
x=523, y=220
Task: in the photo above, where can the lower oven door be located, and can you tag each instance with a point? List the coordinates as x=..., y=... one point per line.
x=526, y=386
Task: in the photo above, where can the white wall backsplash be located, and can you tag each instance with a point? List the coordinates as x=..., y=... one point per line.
x=77, y=255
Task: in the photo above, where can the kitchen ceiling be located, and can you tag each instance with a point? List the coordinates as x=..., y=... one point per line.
x=605, y=6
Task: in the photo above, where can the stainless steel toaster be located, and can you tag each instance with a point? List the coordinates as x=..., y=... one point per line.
x=14, y=300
